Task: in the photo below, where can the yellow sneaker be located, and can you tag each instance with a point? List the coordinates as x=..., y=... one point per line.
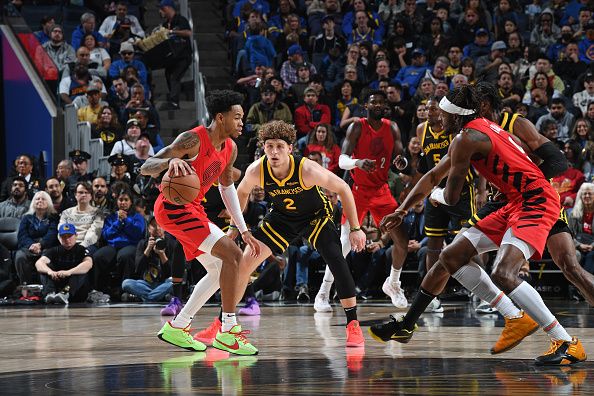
x=514, y=332
x=563, y=353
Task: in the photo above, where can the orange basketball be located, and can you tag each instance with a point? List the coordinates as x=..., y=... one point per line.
x=180, y=190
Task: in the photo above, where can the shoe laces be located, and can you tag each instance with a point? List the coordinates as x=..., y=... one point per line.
x=555, y=344
x=241, y=336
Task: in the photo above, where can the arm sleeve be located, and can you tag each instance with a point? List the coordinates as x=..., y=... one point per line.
x=553, y=160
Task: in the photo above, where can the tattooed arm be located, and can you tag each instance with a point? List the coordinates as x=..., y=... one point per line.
x=186, y=145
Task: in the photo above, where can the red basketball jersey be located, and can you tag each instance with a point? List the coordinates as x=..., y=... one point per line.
x=507, y=166
x=374, y=145
x=209, y=162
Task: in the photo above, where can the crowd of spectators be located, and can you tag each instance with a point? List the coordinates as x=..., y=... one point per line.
x=310, y=63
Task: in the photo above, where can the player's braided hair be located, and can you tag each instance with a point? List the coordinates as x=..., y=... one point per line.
x=486, y=91
x=466, y=97
x=221, y=101
x=277, y=130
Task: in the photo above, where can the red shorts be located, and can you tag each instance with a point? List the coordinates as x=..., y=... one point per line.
x=530, y=217
x=379, y=202
x=188, y=224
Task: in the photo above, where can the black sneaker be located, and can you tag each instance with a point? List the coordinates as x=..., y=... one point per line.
x=129, y=297
x=391, y=331
x=562, y=353
x=303, y=295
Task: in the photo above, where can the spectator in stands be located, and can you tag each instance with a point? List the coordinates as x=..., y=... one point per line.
x=277, y=22
x=311, y=113
x=541, y=81
x=127, y=144
x=24, y=167
x=107, y=128
x=119, y=170
x=180, y=33
x=151, y=130
x=468, y=29
x=346, y=98
x=570, y=66
x=99, y=57
x=295, y=93
x=64, y=170
x=58, y=49
x=60, y=201
x=46, y=23
x=138, y=101
x=425, y=91
x=337, y=71
x=481, y=45
x=327, y=43
x=581, y=224
x=582, y=98
x=90, y=112
x=568, y=183
x=268, y=109
x=118, y=97
x=349, y=23
x=87, y=25
x=38, y=231
x=288, y=70
x=117, y=68
x=80, y=162
x=362, y=32
x=507, y=90
x=583, y=133
x=587, y=44
x=63, y=269
x=487, y=66
x=18, y=203
x=455, y=61
x=87, y=219
x=549, y=129
x=543, y=65
x=101, y=197
x=293, y=33
x=111, y=23
x=321, y=140
x=410, y=76
x=258, y=50
x=83, y=100
x=258, y=5
x=122, y=231
x=555, y=51
x=72, y=86
x=563, y=118
x=152, y=266
x=546, y=32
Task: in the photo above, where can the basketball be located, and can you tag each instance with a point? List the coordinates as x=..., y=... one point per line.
x=180, y=190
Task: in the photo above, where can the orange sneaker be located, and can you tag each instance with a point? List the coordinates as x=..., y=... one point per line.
x=208, y=335
x=514, y=332
x=354, y=334
x=563, y=353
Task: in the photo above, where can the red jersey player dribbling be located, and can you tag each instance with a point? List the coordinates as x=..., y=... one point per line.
x=210, y=152
x=368, y=149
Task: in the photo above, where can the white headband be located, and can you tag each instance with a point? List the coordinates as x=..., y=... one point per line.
x=451, y=108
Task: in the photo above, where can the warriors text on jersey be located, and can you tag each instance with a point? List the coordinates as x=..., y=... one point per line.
x=290, y=197
x=435, y=146
x=374, y=145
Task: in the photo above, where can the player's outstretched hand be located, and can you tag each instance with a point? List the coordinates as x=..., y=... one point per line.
x=400, y=162
x=366, y=164
x=392, y=221
x=252, y=242
x=179, y=167
x=357, y=239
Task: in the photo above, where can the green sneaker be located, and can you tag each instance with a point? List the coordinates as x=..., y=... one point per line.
x=180, y=337
x=234, y=341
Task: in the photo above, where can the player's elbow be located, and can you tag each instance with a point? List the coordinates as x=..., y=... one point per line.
x=450, y=198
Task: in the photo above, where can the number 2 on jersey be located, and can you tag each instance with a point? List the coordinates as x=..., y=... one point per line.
x=289, y=204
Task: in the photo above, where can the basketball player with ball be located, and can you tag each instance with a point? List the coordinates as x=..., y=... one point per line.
x=194, y=161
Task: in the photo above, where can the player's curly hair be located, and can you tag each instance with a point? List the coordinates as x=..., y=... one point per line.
x=221, y=101
x=466, y=97
x=277, y=130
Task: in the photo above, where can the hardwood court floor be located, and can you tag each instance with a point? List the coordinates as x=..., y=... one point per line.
x=87, y=350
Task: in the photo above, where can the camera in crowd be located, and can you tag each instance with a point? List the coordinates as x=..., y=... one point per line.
x=160, y=244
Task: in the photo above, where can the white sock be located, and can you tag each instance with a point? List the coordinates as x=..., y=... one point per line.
x=204, y=289
x=505, y=306
x=475, y=279
x=229, y=320
x=327, y=282
x=395, y=275
x=530, y=301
